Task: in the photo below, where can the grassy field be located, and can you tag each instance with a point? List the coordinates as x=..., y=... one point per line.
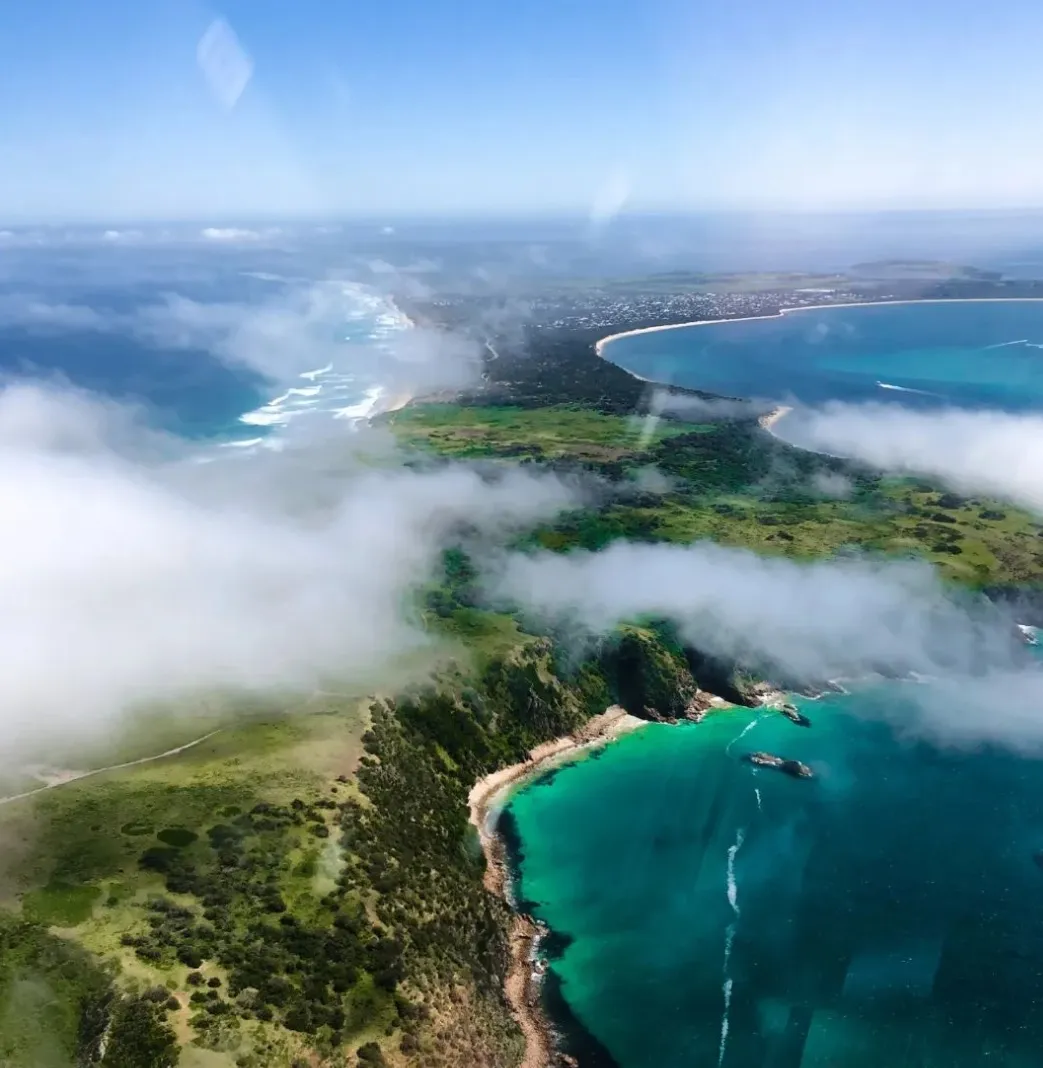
x=552, y=433
x=77, y=848
x=738, y=486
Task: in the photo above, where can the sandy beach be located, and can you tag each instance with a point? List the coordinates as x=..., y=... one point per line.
x=600, y=345
x=769, y=419
x=521, y=986
x=394, y=403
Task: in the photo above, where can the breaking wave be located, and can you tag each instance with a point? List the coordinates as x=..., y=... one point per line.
x=345, y=388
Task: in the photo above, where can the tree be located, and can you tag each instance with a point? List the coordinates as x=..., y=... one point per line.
x=370, y=1055
x=138, y=1038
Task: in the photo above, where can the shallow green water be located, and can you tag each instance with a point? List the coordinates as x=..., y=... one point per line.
x=888, y=912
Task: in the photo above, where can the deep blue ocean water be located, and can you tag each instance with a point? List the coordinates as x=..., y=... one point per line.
x=968, y=354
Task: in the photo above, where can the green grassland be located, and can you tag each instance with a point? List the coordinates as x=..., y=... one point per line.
x=97, y=860
x=545, y=434
x=736, y=484
x=300, y=888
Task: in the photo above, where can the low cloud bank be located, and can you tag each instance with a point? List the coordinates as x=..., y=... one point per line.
x=821, y=620
x=986, y=452
x=297, y=329
x=130, y=573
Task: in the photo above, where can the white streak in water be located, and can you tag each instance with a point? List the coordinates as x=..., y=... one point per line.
x=749, y=727
x=364, y=408
x=1005, y=344
x=724, y=1020
x=758, y=793
x=729, y=938
x=733, y=890
x=907, y=389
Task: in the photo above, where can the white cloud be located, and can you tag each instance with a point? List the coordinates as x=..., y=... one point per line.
x=124, y=580
x=122, y=237
x=985, y=452
x=819, y=620
x=237, y=234
x=298, y=328
x=610, y=199
x=25, y=310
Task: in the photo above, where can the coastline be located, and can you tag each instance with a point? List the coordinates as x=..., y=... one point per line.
x=395, y=403
x=600, y=345
x=769, y=419
x=521, y=986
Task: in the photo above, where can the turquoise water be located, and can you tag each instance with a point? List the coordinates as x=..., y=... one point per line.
x=968, y=354
x=887, y=912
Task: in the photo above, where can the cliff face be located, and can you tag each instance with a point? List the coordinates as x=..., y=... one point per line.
x=647, y=675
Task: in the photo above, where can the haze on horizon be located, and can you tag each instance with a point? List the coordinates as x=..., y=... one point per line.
x=123, y=111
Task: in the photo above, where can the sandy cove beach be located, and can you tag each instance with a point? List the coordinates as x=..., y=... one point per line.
x=769, y=419
x=521, y=986
x=599, y=346
x=394, y=403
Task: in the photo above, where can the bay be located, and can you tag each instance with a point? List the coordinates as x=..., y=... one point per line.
x=888, y=911
x=967, y=354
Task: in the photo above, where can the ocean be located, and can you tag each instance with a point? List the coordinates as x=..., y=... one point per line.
x=887, y=912
x=706, y=912
x=180, y=362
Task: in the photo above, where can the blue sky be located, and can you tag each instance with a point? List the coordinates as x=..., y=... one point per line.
x=451, y=106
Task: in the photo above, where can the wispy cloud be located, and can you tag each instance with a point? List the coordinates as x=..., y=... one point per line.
x=238, y=234
x=297, y=328
x=807, y=621
x=818, y=619
x=986, y=452
x=128, y=573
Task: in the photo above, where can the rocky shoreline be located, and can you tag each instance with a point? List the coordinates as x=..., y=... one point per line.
x=522, y=984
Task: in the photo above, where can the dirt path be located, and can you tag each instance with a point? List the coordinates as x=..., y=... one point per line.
x=112, y=767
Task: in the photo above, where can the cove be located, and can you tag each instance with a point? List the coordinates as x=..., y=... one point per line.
x=968, y=354
x=706, y=912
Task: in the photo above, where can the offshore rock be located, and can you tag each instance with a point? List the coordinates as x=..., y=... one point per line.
x=794, y=768
x=791, y=713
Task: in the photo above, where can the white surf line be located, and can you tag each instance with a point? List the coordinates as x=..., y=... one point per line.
x=729, y=939
x=907, y=389
x=733, y=890
x=749, y=727
x=600, y=345
x=111, y=767
x=312, y=375
x=1005, y=344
